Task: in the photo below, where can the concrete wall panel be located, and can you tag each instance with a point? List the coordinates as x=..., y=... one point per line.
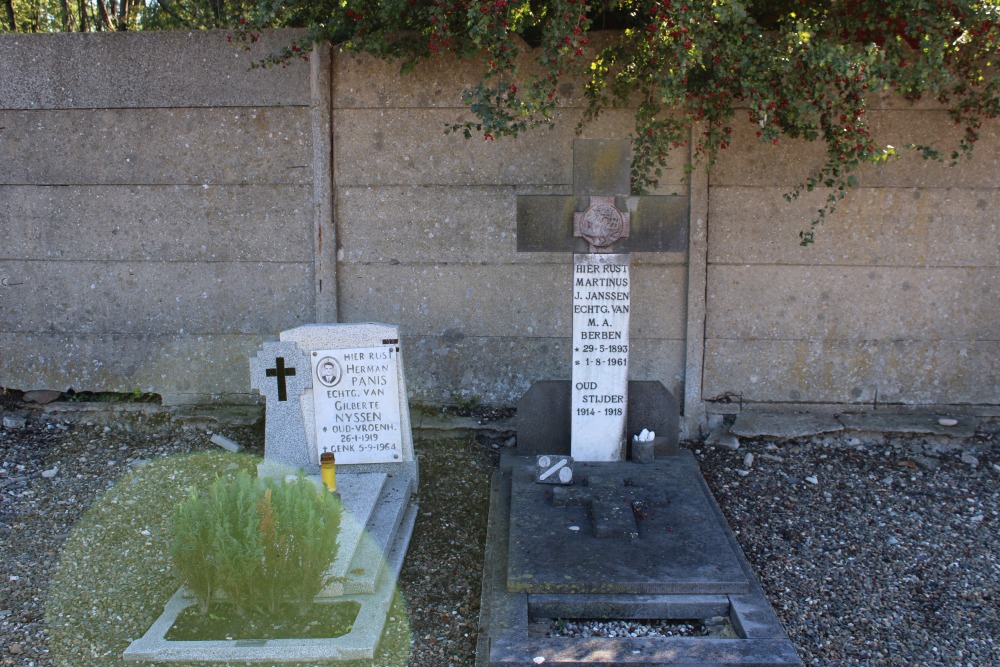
x=498, y=370
x=818, y=371
x=529, y=301
x=156, y=223
x=429, y=224
x=872, y=226
x=442, y=224
x=156, y=146
x=193, y=298
x=184, y=368
x=409, y=147
x=852, y=303
x=748, y=162
x=196, y=69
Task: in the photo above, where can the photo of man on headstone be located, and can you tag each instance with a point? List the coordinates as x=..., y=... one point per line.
x=328, y=371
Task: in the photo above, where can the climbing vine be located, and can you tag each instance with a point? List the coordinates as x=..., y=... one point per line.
x=691, y=69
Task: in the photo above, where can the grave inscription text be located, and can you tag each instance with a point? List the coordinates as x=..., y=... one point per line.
x=601, y=299
x=356, y=400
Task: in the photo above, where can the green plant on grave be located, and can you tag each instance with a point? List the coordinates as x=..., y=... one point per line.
x=255, y=543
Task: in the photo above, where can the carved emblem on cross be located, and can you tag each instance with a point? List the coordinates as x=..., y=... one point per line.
x=602, y=224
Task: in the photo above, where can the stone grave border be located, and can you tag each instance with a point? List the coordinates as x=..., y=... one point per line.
x=359, y=644
x=504, y=616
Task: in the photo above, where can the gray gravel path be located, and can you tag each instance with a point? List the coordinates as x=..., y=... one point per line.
x=874, y=550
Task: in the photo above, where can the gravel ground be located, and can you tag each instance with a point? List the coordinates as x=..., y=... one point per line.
x=874, y=550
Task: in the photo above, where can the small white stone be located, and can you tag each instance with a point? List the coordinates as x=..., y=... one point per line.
x=742, y=473
x=748, y=460
x=643, y=435
x=51, y=472
x=538, y=660
x=812, y=479
x=574, y=528
x=226, y=443
x=145, y=532
x=948, y=421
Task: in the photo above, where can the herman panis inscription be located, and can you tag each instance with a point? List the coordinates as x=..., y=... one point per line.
x=356, y=398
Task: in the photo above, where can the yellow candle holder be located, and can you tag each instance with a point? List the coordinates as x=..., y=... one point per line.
x=328, y=471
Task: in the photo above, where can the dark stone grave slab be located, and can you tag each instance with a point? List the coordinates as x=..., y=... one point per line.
x=538, y=568
x=579, y=539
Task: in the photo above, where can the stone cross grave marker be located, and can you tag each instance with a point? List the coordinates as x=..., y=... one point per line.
x=334, y=388
x=602, y=227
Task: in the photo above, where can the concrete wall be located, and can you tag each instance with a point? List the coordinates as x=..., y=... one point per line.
x=159, y=204
x=426, y=228
x=895, y=303
x=164, y=209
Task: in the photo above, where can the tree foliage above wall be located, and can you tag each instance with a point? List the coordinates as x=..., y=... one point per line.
x=794, y=68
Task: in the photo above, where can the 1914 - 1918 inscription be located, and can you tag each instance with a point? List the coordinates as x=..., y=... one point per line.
x=356, y=397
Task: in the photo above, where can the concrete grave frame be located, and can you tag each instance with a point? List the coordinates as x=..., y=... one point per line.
x=508, y=605
x=379, y=502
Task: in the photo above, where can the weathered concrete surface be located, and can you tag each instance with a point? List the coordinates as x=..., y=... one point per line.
x=853, y=303
x=754, y=424
x=185, y=369
x=851, y=372
x=904, y=227
x=160, y=220
x=64, y=71
x=137, y=298
x=157, y=223
x=894, y=303
x=498, y=370
x=213, y=184
x=789, y=162
x=532, y=300
x=157, y=146
x=783, y=424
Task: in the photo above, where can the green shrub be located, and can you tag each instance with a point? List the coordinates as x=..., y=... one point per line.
x=256, y=543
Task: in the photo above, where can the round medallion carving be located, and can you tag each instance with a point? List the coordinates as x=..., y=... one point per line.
x=602, y=224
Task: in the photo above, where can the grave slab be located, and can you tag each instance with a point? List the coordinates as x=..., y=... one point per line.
x=578, y=539
x=506, y=611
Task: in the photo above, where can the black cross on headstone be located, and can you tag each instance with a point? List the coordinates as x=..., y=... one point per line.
x=279, y=371
x=602, y=169
x=614, y=504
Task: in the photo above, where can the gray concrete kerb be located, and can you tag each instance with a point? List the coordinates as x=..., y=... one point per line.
x=788, y=425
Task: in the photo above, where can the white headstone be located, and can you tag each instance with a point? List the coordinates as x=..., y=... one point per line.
x=334, y=387
x=601, y=299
